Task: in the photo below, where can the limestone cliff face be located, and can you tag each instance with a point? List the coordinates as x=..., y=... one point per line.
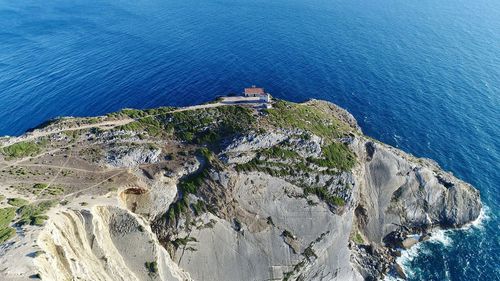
x=270, y=235
x=400, y=195
x=296, y=192
x=399, y=190
x=105, y=243
x=269, y=229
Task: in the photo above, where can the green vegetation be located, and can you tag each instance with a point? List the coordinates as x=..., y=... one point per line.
x=287, y=164
x=55, y=190
x=92, y=153
x=137, y=113
x=72, y=134
x=91, y=120
x=358, y=239
x=199, y=207
x=17, y=202
x=336, y=155
x=190, y=185
x=296, y=268
x=209, y=126
x=176, y=209
x=306, y=117
x=149, y=120
x=288, y=234
x=6, y=217
x=148, y=124
x=2, y=197
x=277, y=152
x=129, y=112
x=151, y=125
x=52, y=190
x=33, y=214
x=21, y=149
x=323, y=194
x=40, y=186
x=202, y=126
x=152, y=267
x=275, y=169
x=309, y=253
x=204, y=152
x=6, y=232
x=38, y=253
x=183, y=241
x=287, y=275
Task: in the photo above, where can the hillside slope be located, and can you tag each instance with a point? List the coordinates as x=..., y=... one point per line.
x=295, y=192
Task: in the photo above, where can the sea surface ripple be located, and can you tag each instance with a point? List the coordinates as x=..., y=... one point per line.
x=420, y=75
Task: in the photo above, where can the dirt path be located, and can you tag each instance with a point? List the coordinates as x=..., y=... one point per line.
x=37, y=133
x=115, y=123
x=62, y=167
x=103, y=125
x=56, y=175
x=92, y=186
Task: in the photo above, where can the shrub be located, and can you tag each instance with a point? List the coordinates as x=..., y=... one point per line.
x=288, y=234
x=306, y=117
x=270, y=221
x=152, y=267
x=309, y=253
x=323, y=194
x=336, y=155
x=17, y=202
x=199, y=207
x=6, y=233
x=6, y=217
x=38, y=253
x=21, y=149
x=209, y=126
x=33, y=214
x=358, y=239
x=191, y=183
x=277, y=152
x=183, y=241
x=52, y=190
x=132, y=113
x=40, y=185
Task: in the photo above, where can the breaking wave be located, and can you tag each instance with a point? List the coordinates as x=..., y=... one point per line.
x=441, y=238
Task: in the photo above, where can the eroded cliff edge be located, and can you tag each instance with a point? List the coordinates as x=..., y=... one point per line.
x=295, y=192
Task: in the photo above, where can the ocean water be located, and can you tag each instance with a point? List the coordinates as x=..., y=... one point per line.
x=420, y=75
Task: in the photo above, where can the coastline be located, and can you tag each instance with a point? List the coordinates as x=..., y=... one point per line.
x=364, y=147
x=438, y=236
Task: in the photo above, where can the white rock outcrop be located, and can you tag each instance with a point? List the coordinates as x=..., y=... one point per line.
x=106, y=243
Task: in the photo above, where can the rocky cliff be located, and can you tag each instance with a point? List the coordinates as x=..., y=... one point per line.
x=295, y=192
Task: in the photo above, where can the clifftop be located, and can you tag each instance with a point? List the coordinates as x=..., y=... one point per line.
x=217, y=192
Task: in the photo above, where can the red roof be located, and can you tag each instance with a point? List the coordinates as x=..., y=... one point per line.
x=253, y=91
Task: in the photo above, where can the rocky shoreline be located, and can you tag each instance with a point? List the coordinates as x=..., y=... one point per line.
x=293, y=192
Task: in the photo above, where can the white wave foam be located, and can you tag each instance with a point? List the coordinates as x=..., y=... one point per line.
x=407, y=256
x=484, y=216
x=441, y=236
x=437, y=236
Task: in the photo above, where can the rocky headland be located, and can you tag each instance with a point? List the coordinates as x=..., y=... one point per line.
x=294, y=192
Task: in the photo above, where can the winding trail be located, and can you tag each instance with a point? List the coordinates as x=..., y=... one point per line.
x=40, y=133
x=106, y=125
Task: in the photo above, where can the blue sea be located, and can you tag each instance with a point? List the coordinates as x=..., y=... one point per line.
x=422, y=75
